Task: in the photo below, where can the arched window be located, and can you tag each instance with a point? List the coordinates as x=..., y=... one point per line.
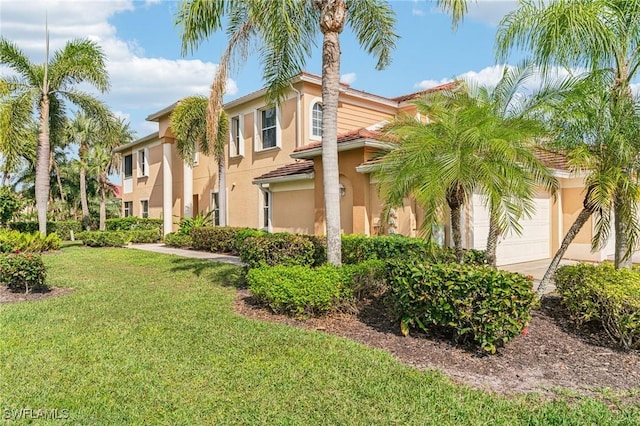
x=316, y=120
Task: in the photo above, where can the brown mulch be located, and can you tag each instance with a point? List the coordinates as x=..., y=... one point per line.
x=7, y=296
x=550, y=356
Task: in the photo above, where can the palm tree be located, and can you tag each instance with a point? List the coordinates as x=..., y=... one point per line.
x=45, y=87
x=286, y=32
x=602, y=36
x=84, y=131
x=102, y=161
x=189, y=125
x=476, y=139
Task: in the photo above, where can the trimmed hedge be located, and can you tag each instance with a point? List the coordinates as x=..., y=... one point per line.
x=23, y=272
x=62, y=228
x=358, y=248
x=217, y=239
x=130, y=223
x=142, y=236
x=603, y=294
x=479, y=303
x=298, y=290
x=119, y=238
x=14, y=241
x=277, y=249
x=175, y=239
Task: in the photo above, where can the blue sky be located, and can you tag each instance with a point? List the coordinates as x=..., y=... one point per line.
x=148, y=72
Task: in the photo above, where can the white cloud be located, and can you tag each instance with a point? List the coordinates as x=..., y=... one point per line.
x=416, y=10
x=427, y=84
x=139, y=84
x=348, y=78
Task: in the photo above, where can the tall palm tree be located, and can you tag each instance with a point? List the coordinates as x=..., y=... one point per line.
x=102, y=161
x=286, y=31
x=476, y=139
x=189, y=125
x=85, y=132
x=45, y=87
x=601, y=36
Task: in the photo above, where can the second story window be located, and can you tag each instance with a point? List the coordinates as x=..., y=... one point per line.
x=143, y=162
x=268, y=124
x=236, y=137
x=316, y=120
x=128, y=165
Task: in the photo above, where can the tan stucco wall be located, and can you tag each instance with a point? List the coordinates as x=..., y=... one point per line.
x=571, y=206
x=292, y=211
x=146, y=187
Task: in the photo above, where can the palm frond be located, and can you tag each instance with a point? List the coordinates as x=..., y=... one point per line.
x=373, y=22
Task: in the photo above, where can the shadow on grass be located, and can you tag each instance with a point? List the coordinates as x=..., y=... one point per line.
x=226, y=274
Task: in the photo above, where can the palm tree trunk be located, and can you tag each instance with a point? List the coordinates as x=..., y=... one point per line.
x=83, y=199
x=568, y=238
x=332, y=17
x=58, y=179
x=103, y=204
x=492, y=242
x=622, y=259
x=456, y=232
x=42, y=164
x=222, y=191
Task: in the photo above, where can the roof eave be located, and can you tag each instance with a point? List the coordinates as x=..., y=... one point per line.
x=282, y=179
x=344, y=146
x=142, y=140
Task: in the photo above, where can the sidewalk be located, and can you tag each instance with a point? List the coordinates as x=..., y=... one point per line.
x=215, y=257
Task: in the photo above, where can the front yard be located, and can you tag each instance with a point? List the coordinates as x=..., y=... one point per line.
x=150, y=338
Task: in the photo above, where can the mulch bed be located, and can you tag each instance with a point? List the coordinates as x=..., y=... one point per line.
x=7, y=296
x=550, y=356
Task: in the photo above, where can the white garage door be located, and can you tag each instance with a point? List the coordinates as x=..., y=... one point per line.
x=533, y=244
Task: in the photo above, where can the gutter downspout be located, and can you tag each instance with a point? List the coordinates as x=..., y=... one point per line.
x=298, y=113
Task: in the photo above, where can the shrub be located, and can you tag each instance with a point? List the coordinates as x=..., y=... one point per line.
x=9, y=204
x=319, y=249
x=277, y=249
x=29, y=227
x=177, y=240
x=186, y=224
x=131, y=223
x=298, y=290
x=483, y=304
x=603, y=294
x=218, y=239
x=103, y=238
x=366, y=279
x=245, y=233
x=13, y=241
x=24, y=272
x=142, y=236
x=64, y=227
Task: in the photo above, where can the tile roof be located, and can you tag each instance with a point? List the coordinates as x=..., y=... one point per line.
x=552, y=160
x=291, y=169
x=346, y=137
x=410, y=96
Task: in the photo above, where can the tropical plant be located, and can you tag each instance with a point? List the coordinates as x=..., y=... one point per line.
x=477, y=139
x=189, y=125
x=601, y=36
x=9, y=204
x=45, y=88
x=286, y=31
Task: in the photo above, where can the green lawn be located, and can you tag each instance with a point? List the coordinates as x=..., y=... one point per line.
x=152, y=339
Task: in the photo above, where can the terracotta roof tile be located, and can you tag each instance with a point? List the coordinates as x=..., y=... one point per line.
x=346, y=137
x=291, y=169
x=552, y=160
x=409, y=96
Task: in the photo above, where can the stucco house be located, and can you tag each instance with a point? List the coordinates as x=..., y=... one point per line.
x=274, y=175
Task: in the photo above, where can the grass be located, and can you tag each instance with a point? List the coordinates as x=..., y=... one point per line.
x=152, y=339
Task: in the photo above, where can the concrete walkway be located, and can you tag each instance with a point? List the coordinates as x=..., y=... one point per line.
x=536, y=269
x=215, y=257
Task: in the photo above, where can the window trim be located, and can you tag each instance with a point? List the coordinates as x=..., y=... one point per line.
x=215, y=207
x=236, y=150
x=127, y=212
x=314, y=102
x=257, y=125
x=266, y=206
x=142, y=166
x=142, y=209
x=124, y=166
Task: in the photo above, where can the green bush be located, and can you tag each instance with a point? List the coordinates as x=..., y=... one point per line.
x=14, y=241
x=366, y=279
x=298, y=290
x=200, y=220
x=603, y=294
x=483, y=304
x=23, y=272
x=9, y=204
x=217, y=239
x=277, y=249
x=64, y=227
x=103, y=238
x=133, y=223
x=142, y=236
x=29, y=227
x=174, y=239
x=319, y=249
x=359, y=248
x=244, y=233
